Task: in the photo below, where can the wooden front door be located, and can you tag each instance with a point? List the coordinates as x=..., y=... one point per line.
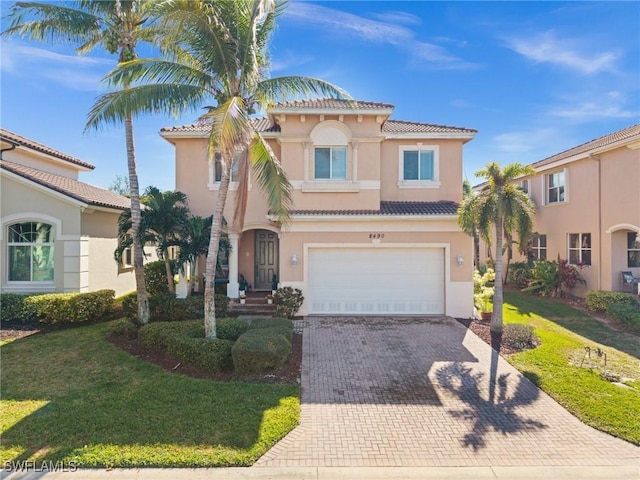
x=266, y=256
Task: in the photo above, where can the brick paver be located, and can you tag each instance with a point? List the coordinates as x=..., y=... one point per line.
x=416, y=392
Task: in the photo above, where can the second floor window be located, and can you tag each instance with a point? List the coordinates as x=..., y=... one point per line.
x=580, y=248
x=330, y=163
x=218, y=170
x=418, y=164
x=556, y=187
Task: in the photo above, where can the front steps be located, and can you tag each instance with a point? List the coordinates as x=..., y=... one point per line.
x=255, y=305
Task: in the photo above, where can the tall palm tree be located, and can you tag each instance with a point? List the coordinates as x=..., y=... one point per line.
x=503, y=205
x=117, y=26
x=218, y=55
x=162, y=224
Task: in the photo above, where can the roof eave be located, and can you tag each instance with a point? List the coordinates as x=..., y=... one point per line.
x=428, y=135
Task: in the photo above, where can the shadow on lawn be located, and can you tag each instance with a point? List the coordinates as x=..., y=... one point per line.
x=107, y=408
x=574, y=320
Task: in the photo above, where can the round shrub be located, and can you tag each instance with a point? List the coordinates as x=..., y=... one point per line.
x=288, y=301
x=155, y=276
x=259, y=350
x=520, y=336
x=124, y=328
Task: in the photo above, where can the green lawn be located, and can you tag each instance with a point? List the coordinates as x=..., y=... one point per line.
x=72, y=396
x=554, y=366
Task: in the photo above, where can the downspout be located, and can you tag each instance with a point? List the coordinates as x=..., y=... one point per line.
x=599, y=193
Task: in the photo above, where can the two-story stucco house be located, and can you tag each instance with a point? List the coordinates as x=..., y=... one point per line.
x=58, y=234
x=374, y=227
x=588, y=208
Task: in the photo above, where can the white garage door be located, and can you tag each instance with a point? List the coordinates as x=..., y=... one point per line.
x=376, y=281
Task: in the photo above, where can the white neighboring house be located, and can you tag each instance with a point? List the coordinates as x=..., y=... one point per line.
x=57, y=234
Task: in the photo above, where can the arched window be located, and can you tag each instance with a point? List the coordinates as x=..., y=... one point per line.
x=30, y=253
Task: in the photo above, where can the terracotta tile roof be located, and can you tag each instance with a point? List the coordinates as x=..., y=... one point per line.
x=392, y=208
x=68, y=186
x=262, y=124
x=332, y=104
x=14, y=138
x=399, y=126
x=604, y=141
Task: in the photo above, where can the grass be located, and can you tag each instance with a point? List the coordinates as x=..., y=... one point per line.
x=555, y=365
x=72, y=396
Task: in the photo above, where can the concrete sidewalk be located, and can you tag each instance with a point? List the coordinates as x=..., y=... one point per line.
x=343, y=473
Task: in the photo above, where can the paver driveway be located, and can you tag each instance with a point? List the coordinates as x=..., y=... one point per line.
x=422, y=392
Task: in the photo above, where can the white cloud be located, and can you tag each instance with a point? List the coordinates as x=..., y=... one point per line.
x=289, y=60
x=569, y=53
x=398, y=17
x=388, y=31
x=71, y=71
x=523, y=142
x=594, y=107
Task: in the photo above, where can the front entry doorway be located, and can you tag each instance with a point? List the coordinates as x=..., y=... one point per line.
x=266, y=258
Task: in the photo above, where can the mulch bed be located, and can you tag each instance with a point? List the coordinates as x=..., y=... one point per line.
x=481, y=329
x=289, y=373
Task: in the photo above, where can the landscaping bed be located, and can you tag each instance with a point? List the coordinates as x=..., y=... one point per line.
x=288, y=373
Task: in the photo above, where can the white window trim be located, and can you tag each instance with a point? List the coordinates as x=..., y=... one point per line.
x=435, y=183
x=214, y=185
x=537, y=248
x=123, y=263
x=545, y=189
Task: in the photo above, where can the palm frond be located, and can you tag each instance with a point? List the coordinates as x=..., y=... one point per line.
x=294, y=87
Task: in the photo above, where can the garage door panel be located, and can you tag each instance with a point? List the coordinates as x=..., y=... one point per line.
x=376, y=281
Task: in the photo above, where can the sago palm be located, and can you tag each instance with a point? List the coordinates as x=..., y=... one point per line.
x=217, y=54
x=503, y=205
x=117, y=26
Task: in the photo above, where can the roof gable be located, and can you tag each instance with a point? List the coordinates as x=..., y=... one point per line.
x=20, y=141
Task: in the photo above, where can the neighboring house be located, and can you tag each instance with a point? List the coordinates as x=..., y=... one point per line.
x=58, y=234
x=374, y=227
x=588, y=208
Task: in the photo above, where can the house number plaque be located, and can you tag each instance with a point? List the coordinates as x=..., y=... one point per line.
x=376, y=235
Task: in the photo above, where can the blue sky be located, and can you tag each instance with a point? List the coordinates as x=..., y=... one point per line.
x=534, y=78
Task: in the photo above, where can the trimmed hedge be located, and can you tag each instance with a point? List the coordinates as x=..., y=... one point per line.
x=167, y=308
x=56, y=308
x=265, y=345
x=626, y=314
x=185, y=341
x=124, y=328
x=600, y=300
x=12, y=308
x=230, y=328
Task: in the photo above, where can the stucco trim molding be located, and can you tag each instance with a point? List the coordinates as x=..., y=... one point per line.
x=29, y=216
x=623, y=226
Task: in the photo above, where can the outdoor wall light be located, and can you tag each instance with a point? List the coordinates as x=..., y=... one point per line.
x=460, y=260
x=294, y=260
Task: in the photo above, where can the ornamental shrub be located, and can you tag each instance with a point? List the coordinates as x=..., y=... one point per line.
x=186, y=341
x=268, y=326
x=260, y=349
x=626, y=314
x=520, y=274
x=155, y=276
x=600, y=300
x=12, y=308
x=124, y=328
x=58, y=308
x=167, y=308
x=230, y=328
x=549, y=277
x=288, y=301
x=518, y=335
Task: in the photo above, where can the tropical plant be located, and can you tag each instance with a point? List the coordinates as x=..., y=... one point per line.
x=549, y=277
x=117, y=26
x=467, y=221
x=504, y=206
x=482, y=291
x=217, y=51
x=162, y=222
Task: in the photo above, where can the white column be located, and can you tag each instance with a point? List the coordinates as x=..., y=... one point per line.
x=233, y=286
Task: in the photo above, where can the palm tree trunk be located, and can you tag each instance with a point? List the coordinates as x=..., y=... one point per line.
x=167, y=268
x=192, y=277
x=212, y=256
x=496, y=317
x=138, y=257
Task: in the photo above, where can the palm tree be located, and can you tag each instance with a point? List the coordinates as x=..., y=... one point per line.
x=117, y=26
x=163, y=221
x=218, y=55
x=503, y=205
x=467, y=220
